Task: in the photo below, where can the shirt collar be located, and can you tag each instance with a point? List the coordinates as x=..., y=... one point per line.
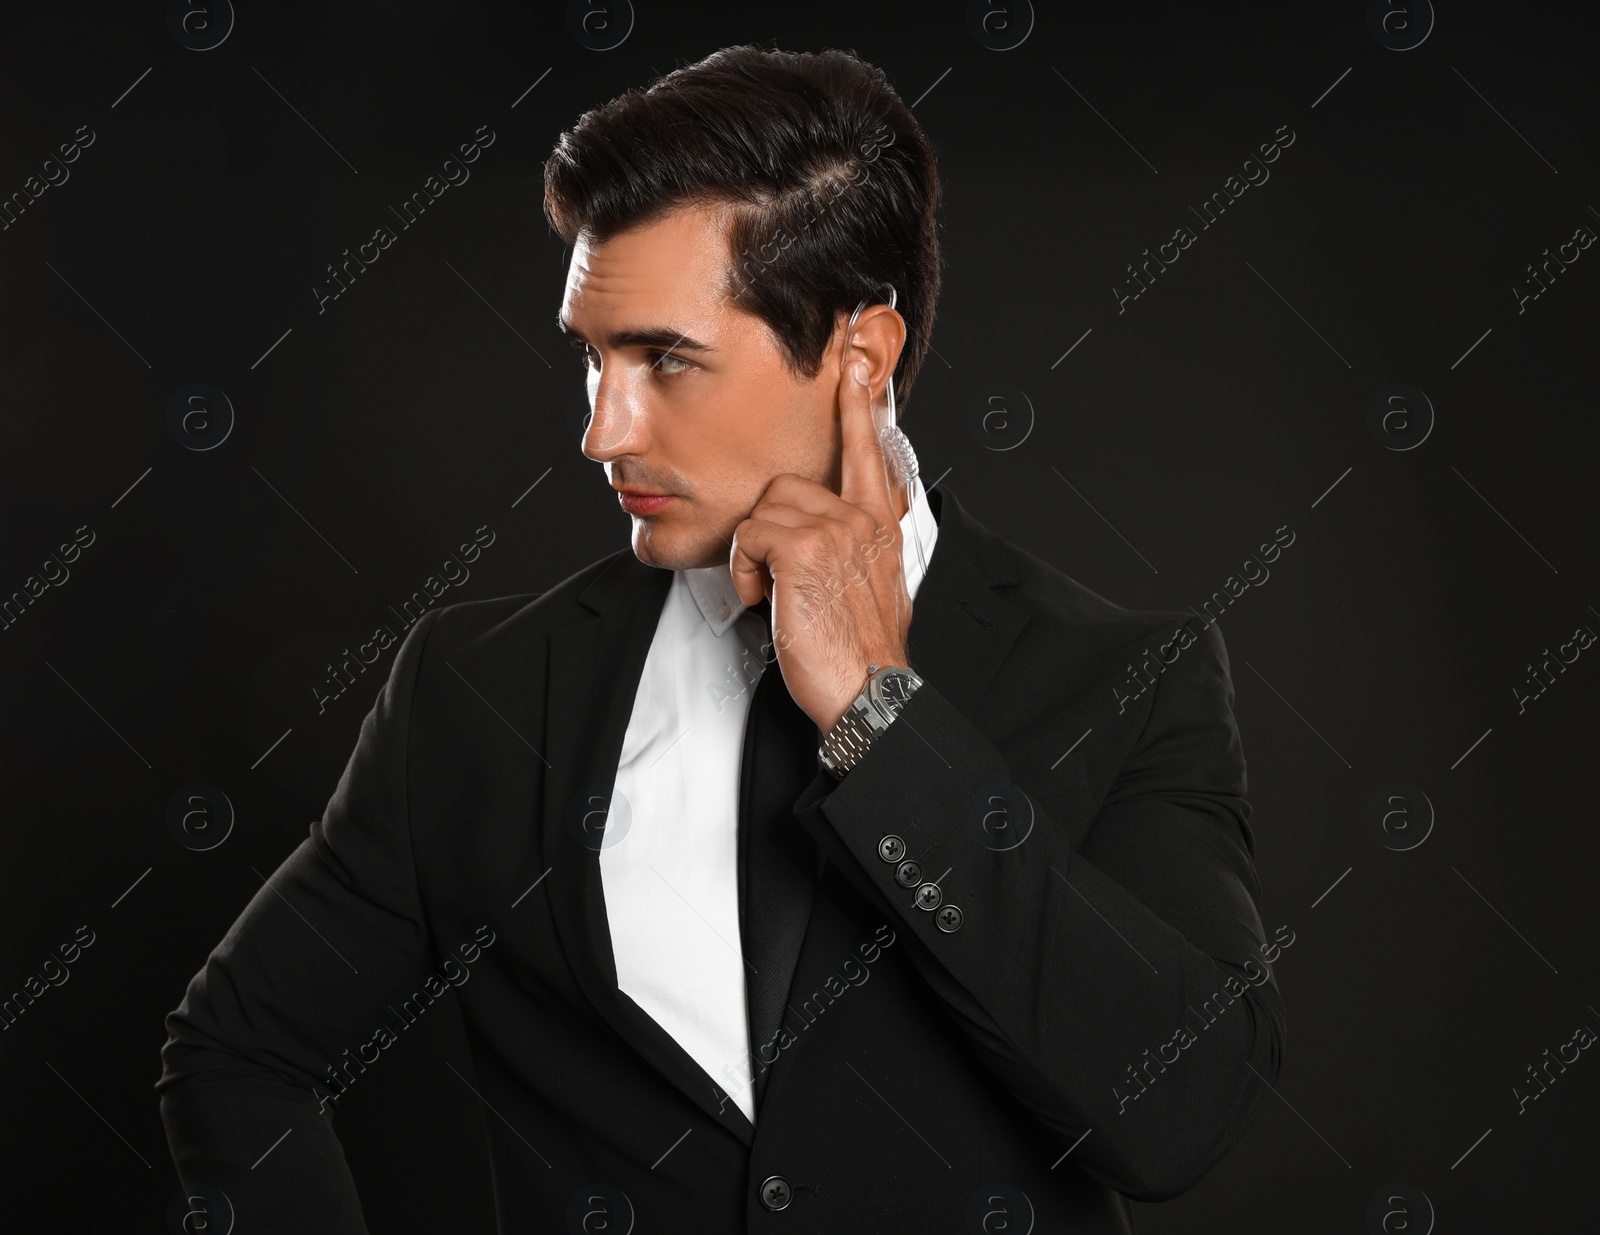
x=713, y=590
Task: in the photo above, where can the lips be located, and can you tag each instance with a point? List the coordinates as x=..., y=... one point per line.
x=638, y=502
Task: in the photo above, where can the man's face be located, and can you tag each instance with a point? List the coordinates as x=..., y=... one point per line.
x=690, y=395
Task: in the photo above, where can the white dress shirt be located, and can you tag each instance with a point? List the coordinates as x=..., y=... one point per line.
x=671, y=877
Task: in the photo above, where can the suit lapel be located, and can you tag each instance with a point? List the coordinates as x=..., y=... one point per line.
x=960, y=630
x=594, y=671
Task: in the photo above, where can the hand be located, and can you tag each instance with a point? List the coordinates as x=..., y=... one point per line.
x=830, y=565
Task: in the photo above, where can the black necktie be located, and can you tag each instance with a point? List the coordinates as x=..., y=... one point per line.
x=777, y=857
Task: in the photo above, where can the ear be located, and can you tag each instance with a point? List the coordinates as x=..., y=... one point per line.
x=878, y=338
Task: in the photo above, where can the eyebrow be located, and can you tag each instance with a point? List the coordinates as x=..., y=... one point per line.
x=664, y=337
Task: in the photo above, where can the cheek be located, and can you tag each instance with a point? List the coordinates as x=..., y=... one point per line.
x=747, y=426
x=741, y=431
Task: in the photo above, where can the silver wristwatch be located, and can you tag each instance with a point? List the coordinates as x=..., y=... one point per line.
x=887, y=691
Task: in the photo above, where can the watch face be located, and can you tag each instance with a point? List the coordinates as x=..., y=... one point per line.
x=894, y=690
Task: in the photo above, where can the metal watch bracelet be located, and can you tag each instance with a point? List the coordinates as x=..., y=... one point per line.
x=847, y=743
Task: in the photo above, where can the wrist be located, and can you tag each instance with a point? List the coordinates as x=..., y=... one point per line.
x=845, y=702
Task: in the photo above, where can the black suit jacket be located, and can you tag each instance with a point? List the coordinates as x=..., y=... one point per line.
x=1100, y=1026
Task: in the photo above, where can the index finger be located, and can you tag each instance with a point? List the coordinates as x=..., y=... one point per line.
x=864, y=471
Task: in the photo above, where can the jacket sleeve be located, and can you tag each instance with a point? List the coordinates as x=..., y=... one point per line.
x=303, y=976
x=1118, y=990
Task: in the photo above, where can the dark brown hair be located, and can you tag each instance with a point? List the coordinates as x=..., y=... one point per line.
x=828, y=183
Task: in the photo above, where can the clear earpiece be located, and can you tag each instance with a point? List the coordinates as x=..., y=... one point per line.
x=897, y=449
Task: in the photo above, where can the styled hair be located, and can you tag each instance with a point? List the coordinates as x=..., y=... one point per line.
x=826, y=182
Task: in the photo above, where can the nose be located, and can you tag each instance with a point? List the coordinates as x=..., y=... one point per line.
x=614, y=425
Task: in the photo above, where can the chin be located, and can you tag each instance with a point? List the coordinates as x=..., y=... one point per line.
x=654, y=547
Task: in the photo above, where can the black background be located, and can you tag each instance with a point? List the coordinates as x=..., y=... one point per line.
x=1176, y=437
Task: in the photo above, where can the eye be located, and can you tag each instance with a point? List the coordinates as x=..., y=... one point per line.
x=666, y=362
x=581, y=350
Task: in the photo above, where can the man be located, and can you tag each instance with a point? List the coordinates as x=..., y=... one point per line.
x=823, y=863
